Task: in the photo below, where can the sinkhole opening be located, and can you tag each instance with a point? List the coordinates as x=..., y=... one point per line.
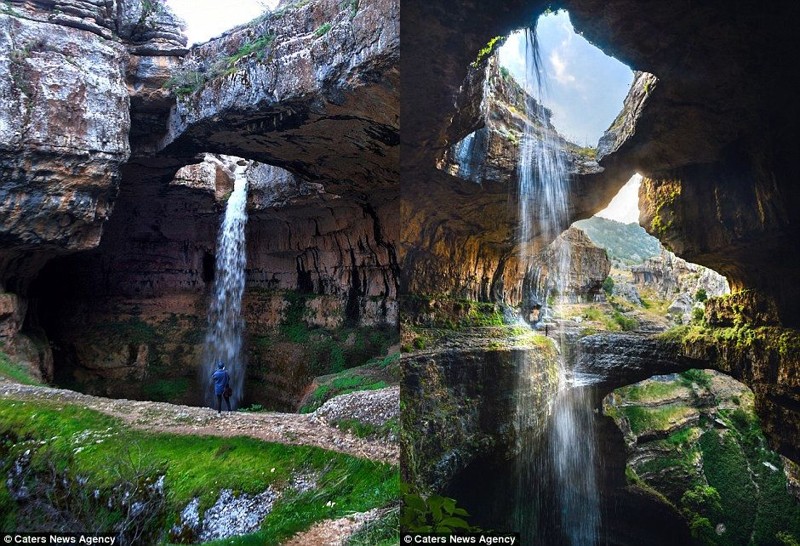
x=584, y=88
x=547, y=81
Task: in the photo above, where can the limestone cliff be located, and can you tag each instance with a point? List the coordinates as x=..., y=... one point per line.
x=490, y=152
x=97, y=139
x=270, y=90
x=462, y=403
x=587, y=267
x=64, y=126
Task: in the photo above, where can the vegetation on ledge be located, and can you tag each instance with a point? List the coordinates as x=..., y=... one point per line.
x=715, y=468
x=15, y=371
x=378, y=373
x=70, y=443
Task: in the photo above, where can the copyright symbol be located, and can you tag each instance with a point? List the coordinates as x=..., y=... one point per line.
x=7, y=538
x=407, y=539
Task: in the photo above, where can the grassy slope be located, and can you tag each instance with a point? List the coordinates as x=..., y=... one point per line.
x=378, y=373
x=201, y=466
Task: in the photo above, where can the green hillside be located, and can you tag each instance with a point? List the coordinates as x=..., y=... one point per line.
x=628, y=243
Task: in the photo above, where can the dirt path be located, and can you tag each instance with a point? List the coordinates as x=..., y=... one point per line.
x=332, y=532
x=285, y=428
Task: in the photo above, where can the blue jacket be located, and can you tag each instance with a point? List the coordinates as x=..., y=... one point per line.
x=221, y=379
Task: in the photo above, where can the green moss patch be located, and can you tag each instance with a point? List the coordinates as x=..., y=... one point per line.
x=718, y=470
x=379, y=373
x=645, y=419
x=15, y=371
x=85, y=441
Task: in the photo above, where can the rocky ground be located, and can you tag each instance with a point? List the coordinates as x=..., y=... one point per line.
x=286, y=428
x=371, y=407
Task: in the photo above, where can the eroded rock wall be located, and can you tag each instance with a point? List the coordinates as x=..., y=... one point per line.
x=64, y=126
x=312, y=87
x=579, y=278
x=464, y=404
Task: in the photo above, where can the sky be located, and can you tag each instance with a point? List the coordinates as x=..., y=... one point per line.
x=625, y=205
x=206, y=19
x=585, y=87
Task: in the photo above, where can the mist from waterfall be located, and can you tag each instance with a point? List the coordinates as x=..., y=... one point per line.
x=557, y=496
x=225, y=320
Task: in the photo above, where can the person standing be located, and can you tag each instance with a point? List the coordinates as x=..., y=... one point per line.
x=222, y=386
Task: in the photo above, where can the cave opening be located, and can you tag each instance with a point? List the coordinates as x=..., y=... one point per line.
x=129, y=319
x=584, y=87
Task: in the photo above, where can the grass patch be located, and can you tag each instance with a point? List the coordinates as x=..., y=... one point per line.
x=700, y=377
x=363, y=378
x=192, y=465
x=366, y=430
x=650, y=390
x=15, y=371
x=322, y=30
x=644, y=419
x=186, y=80
x=385, y=531
x=727, y=471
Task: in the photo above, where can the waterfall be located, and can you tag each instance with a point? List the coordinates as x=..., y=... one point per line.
x=573, y=447
x=542, y=164
x=225, y=321
x=557, y=483
x=463, y=152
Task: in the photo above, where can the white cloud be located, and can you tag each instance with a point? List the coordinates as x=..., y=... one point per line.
x=586, y=88
x=206, y=19
x=561, y=74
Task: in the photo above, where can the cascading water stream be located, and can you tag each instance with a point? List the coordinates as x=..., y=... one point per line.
x=557, y=484
x=225, y=321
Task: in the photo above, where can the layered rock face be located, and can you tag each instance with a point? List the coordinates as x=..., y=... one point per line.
x=310, y=86
x=270, y=91
x=486, y=134
x=136, y=307
x=64, y=130
x=489, y=154
x=470, y=403
x=578, y=278
x=63, y=134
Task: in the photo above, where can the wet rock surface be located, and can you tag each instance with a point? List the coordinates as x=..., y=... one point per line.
x=621, y=359
x=459, y=399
